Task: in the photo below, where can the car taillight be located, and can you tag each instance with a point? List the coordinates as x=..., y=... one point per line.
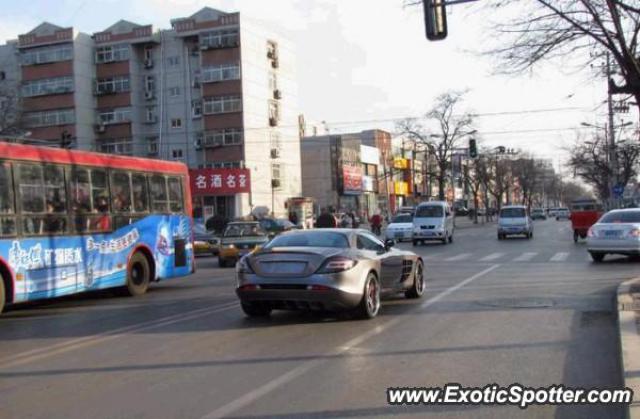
x=591, y=232
x=318, y=288
x=249, y=287
x=635, y=233
x=337, y=264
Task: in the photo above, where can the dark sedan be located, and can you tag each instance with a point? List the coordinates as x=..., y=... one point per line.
x=326, y=270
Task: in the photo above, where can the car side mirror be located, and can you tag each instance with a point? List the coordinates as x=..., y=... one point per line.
x=389, y=243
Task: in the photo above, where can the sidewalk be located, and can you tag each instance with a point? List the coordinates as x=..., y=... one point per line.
x=628, y=321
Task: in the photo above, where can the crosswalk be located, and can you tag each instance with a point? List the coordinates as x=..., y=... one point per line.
x=501, y=257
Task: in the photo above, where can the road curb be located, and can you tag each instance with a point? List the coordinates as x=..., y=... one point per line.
x=629, y=345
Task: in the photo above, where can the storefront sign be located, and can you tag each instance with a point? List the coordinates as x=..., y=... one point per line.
x=400, y=163
x=369, y=155
x=351, y=180
x=219, y=181
x=401, y=188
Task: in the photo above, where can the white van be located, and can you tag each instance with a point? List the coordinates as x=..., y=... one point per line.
x=433, y=221
x=514, y=219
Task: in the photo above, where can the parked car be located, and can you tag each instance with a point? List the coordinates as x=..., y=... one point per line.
x=538, y=214
x=204, y=242
x=616, y=232
x=400, y=228
x=562, y=214
x=552, y=212
x=514, y=220
x=276, y=225
x=406, y=209
x=239, y=239
x=433, y=221
x=326, y=270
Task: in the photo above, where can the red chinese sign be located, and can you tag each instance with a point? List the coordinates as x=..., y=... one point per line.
x=351, y=180
x=219, y=181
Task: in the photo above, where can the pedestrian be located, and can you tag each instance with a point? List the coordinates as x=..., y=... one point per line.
x=376, y=223
x=325, y=220
x=346, y=221
x=293, y=217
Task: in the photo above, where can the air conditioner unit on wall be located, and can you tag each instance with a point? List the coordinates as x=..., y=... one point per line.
x=273, y=121
x=100, y=128
x=275, y=153
x=275, y=183
x=148, y=95
x=277, y=94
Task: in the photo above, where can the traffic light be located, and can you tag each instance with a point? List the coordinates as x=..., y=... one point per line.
x=435, y=19
x=473, y=148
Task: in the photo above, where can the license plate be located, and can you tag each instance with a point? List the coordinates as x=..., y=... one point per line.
x=273, y=267
x=611, y=234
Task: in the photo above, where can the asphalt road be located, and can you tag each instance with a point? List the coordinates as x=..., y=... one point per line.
x=535, y=312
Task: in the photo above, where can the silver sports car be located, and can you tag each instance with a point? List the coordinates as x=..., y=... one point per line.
x=326, y=270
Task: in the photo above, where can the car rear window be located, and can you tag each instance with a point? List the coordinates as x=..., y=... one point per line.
x=513, y=213
x=310, y=239
x=402, y=218
x=621, y=217
x=429, y=211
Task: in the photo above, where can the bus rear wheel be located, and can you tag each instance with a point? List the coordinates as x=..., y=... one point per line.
x=138, y=275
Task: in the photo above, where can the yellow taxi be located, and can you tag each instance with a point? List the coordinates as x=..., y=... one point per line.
x=239, y=239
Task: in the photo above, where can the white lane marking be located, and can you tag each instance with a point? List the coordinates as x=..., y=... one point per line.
x=62, y=347
x=458, y=257
x=526, y=256
x=268, y=387
x=559, y=257
x=492, y=256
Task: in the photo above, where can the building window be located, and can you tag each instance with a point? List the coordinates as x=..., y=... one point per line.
x=276, y=175
x=176, y=153
x=47, y=86
x=274, y=140
x=149, y=84
x=219, y=39
x=122, y=146
x=113, y=85
x=222, y=104
x=176, y=123
x=274, y=110
x=174, y=91
x=50, y=118
x=148, y=52
x=152, y=145
x=173, y=61
x=196, y=108
x=150, y=115
x=221, y=72
x=112, y=53
x=223, y=137
x=47, y=55
x=115, y=116
x=273, y=81
x=224, y=165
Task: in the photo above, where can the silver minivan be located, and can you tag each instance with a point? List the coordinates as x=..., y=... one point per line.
x=514, y=219
x=433, y=221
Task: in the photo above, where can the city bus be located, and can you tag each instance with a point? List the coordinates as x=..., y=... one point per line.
x=74, y=221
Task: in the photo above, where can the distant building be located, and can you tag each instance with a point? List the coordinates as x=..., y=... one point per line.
x=215, y=91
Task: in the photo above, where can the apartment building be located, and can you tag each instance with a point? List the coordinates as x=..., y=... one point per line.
x=215, y=91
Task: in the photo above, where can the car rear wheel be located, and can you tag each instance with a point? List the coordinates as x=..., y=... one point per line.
x=415, y=242
x=417, y=289
x=597, y=257
x=370, y=303
x=138, y=275
x=2, y=294
x=256, y=309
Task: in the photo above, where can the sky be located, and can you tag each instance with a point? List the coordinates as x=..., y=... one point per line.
x=363, y=64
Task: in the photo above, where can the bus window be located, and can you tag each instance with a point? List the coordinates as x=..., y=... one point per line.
x=80, y=190
x=88, y=194
x=120, y=192
x=175, y=194
x=42, y=199
x=158, y=193
x=7, y=218
x=140, y=193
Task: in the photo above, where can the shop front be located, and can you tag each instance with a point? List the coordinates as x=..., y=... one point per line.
x=218, y=192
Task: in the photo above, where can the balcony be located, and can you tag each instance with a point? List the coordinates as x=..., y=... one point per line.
x=273, y=121
x=277, y=94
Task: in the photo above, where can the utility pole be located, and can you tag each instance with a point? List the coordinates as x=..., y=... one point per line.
x=613, y=158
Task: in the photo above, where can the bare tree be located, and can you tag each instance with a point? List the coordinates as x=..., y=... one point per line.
x=551, y=29
x=10, y=115
x=527, y=172
x=451, y=127
x=476, y=177
x=588, y=160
